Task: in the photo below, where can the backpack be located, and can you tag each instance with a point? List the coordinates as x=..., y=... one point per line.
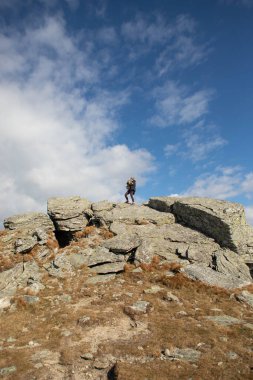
x=131, y=183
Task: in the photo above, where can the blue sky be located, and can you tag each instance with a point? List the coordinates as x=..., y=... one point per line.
x=95, y=91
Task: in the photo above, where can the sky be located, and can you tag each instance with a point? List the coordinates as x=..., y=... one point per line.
x=95, y=91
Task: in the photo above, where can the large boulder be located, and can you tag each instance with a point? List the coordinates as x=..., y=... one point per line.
x=31, y=220
x=69, y=214
x=222, y=220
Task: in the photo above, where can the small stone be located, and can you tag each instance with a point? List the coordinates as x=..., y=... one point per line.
x=167, y=352
x=33, y=344
x=7, y=370
x=83, y=321
x=139, y=307
x=232, y=355
x=66, y=333
x=171, y=297
x=223, y=339
x=30, y=299
x=87, y=356
x=101, y=363
x=11, y=340
x=220, y=364
x=153, y=290
x=38, y=365
x=182, y=312
x=137, y=270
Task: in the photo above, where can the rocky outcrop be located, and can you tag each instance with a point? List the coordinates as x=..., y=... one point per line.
x=69, y=214
x=30, y=221
x=222, y=220
x=200, y=234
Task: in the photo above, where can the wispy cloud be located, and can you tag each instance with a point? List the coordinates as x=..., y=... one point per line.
x=222, y=184
x=175, y=44
x=200, y=142
x=171, y=149
x=178, y=105
x=57, y=121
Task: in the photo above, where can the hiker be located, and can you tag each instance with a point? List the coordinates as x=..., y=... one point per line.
x=131, y=188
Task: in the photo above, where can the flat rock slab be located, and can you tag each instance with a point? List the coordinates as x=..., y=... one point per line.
x=122, y=243
x=187, y=354
x=211, y=277
x=95, y=256
x=100, y=279
x=224, y=320
x=30, y=220
x=134, y=214
x=109, y=268
x=68, y=214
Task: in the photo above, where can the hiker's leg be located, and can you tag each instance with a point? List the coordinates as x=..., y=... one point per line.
x=132, y=195
x=126, y=194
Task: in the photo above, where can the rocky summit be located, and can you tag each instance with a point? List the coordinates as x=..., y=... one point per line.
x=109, y=290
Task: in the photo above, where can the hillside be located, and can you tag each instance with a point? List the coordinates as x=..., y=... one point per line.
x=116, y=291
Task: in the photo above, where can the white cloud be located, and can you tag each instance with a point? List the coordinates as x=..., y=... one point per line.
x=57, y=123
x=249, y=214
x=222, y=184
x=214, y=186
x=247, y=185
x=176, y=105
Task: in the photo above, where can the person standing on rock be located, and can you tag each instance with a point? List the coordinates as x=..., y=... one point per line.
x=131, y=188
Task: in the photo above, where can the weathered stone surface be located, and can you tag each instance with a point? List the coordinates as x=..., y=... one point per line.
x=94, y=256
x=211, y=277
x=83, y=321
x=222, y=220
x=188, y=354
x=163, y=204
x=153, y=290
x=9, y=279
x=100, y=278
x=224, y=320
x=102, y=206
x=18, y=277
x=60, y=267
x=26, y=244
x=229, y=263
x=7, y=370
x=245, y=296
x=5, y=303
x=109, y=268
x=124, y=243
x=68, y=214
x=171, y=297
x=134, y=214
x=30, y=220
x=139, y=307
x=215, y=218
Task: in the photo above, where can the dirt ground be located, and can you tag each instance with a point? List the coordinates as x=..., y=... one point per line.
x=78, y=330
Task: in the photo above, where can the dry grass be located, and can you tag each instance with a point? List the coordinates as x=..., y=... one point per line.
x=86, y=232
x=45, y=321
